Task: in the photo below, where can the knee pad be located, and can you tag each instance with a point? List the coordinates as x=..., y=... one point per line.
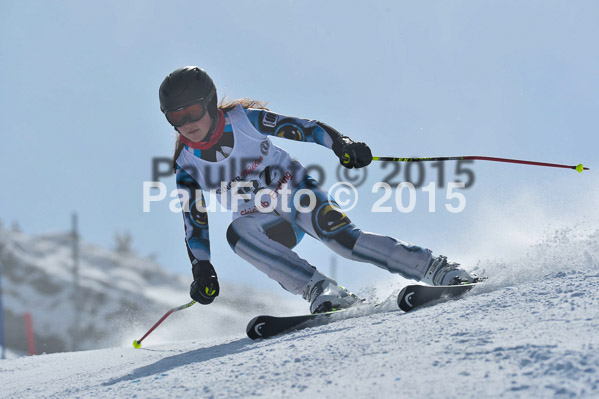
x=328, y=220
x=284, y=233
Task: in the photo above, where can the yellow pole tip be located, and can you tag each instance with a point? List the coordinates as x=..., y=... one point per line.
x=579, y=168
x=136, y=344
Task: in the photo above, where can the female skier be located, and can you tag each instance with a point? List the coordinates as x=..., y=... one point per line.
x=227, y=149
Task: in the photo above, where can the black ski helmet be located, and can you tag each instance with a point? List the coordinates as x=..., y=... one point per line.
x=185, y=86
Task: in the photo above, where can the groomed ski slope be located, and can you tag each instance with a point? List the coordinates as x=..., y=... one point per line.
x=534, y=339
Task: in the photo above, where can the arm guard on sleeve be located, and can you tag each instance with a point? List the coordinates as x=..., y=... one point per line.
x=292, y=128
x=195, y=218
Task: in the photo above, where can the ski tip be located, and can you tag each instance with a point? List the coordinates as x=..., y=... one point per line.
x=403, y=300
x=253, y=329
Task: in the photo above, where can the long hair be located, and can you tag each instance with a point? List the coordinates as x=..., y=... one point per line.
x=225, y=105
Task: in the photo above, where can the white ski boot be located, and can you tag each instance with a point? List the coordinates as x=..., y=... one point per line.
x=443, y=272
x=325, y=295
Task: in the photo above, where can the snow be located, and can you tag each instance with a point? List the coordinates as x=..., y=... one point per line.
x=529, y=331
x=533, y=339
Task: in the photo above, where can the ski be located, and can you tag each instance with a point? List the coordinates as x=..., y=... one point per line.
x=269, y=326
x=409, y=298
x=415, y=296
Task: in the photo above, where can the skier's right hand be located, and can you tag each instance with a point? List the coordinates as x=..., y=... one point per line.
x=204, y=287
x=352, y=154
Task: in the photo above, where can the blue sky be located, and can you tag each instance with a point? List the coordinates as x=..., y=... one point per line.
x=80, y=119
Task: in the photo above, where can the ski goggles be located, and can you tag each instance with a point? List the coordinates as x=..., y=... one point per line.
x=191, y=113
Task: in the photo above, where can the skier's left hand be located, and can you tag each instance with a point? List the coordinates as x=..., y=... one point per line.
x=204, y=287
x=352, y=154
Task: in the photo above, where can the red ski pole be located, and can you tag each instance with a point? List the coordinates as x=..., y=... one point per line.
x=578, y=167
x=137, y=342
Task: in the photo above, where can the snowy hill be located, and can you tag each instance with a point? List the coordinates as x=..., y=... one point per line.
x=537, y=339
x=531, y=331
x=119, y=296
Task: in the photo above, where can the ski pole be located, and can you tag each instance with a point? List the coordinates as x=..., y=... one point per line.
x=137, y=342
x=578, y=167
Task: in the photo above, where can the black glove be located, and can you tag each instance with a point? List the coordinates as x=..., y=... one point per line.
x=204, y=287
x=352, y=154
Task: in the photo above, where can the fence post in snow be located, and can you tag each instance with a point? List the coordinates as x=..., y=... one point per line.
x=76, y=281
x=30, y=337
x=3, y=354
